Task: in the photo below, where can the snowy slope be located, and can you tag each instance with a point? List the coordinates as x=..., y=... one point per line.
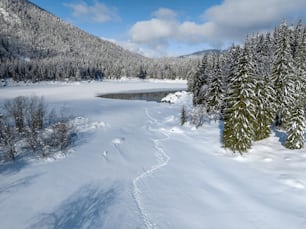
x=135, y=167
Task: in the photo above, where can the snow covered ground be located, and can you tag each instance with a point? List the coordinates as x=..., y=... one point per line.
x=136, y=167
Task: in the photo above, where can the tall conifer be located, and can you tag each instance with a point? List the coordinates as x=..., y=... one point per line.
x=239, y=117
x=215, y=93
x=283, y=74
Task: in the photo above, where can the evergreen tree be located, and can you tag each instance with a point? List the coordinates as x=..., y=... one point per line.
x=296, y=35
x=239, y=117
x=191, y=76
x=283, y=75
x=231, y=62
x=296, y=121
x=295, y=128
x=215, y=93
x=301, y=67
x=200, y=82
x=183, y=116
x=265, y=108
x=142, y=73
x=263, y=55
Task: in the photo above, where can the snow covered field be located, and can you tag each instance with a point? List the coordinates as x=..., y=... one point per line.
x=136, y=167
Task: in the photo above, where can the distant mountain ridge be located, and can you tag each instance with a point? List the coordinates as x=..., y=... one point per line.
x=202, y=53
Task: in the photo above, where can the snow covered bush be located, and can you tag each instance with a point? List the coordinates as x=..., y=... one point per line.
x=16, y=109
x=198, y=115
x=27, y=121
x=62, y=135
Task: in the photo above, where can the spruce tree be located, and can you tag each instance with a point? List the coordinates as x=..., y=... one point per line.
x=239, y=117
x=295, y=128
x=301, y=67
x=283, y=75
x=200, y=81
x=215, y=93
x=265, y=108
x=296, y=120
x=142, y=73
x=183, y=116
x=263, y=55
x=231, y=62
x=296, y=36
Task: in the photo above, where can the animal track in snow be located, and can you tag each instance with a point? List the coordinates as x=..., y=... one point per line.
x=116, y=143
x=267, y=159
x=294, y=183
x=118, y=140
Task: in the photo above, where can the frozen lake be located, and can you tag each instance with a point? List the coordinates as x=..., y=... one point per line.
x=151, y=95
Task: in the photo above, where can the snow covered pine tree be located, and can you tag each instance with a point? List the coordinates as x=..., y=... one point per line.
x=239, y=115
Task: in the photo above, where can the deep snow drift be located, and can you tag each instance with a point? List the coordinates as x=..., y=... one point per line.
x=136, y=167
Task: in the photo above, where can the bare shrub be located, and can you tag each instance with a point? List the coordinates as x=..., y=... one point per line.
x=7, y=138
x=36, y=113
x=16, y=108
x=61, y=135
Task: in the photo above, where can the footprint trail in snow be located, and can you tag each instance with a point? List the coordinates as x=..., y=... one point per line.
x=163, y=160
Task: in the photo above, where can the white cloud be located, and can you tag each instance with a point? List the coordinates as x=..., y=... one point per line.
x=97, y=12
x=233, y=19
x=165, y=26
x=165, y=13
x=153, y=30
x=228, y=22
x=245, y=13
x=192, y=32
x=140, y=49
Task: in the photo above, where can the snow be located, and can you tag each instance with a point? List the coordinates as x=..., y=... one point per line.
x=9, y=17
x=175, y=97
x=4, y=13
x=136, y=167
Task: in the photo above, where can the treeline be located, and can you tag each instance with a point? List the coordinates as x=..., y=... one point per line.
x=67, y=68
x=27, y=125
x=254, y=87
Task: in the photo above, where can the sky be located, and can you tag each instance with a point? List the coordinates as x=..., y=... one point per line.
x=158, y=28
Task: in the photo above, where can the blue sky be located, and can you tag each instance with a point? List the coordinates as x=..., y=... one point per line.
x=170, y=27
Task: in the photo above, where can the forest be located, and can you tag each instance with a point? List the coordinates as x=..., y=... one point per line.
x=255, y=87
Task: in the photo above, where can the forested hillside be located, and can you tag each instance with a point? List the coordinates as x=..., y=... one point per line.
x=254, y=87
x=36, y=45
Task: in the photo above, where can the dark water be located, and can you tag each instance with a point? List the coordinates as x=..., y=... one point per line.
x=155, y=96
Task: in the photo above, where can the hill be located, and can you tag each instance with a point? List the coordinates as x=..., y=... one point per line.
x=34, y=40
x=201, y=53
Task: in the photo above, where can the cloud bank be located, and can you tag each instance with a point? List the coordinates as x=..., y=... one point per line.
x=228, y=22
